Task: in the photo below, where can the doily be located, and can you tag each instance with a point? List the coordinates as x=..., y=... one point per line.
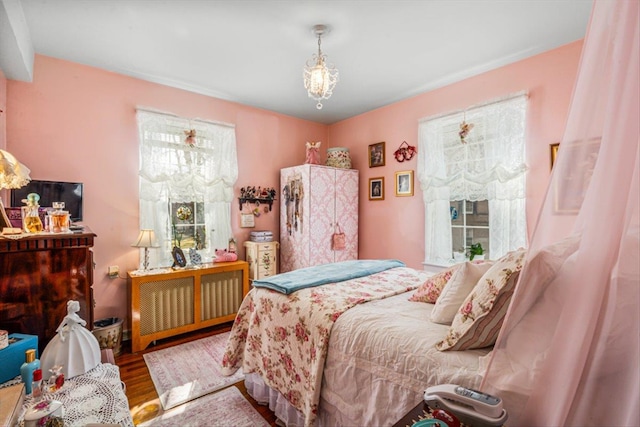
x=95, y=397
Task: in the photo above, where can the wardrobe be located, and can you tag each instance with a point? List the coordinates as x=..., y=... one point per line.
x=316, y=202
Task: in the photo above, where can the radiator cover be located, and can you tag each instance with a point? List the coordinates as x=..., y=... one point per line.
x=172, y=302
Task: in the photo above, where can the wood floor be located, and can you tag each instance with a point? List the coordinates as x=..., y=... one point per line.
x=140, y=389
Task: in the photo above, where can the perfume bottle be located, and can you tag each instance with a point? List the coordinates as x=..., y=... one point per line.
x=30, y=218
x=58, y=218
x=28, y=367
x=36, y=385
x=56, y=380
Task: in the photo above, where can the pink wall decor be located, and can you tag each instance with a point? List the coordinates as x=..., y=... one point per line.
x=405, y=152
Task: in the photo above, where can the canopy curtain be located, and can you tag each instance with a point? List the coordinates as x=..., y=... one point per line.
x=568, y=351
x=489, y=165
x=173, y=171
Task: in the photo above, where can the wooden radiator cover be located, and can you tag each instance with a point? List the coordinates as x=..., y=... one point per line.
x=172, y=302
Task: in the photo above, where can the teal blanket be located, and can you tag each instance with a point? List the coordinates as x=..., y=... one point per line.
x=292, y=281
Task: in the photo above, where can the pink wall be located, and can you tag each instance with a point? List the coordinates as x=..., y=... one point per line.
x=3, y=124
x=77, y=123
x=395, y=227
x=3, y=109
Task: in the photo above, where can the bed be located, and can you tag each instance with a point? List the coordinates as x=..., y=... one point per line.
x=355, y=351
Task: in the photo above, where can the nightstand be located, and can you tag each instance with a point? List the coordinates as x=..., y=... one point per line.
x=262, y=258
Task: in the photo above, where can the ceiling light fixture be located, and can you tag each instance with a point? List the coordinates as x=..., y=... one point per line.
x=319, y=78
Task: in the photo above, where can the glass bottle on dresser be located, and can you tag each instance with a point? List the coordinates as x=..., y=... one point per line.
x=28, y=367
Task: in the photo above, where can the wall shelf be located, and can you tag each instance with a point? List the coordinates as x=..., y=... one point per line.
x=244, y=200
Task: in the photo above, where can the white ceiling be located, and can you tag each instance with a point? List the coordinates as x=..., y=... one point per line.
x=252, y=52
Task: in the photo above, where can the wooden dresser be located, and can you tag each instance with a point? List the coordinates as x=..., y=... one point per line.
x=38, y=275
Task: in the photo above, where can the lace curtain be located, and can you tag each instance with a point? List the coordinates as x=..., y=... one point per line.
x=569, y=349
x=173, y=171
x=490, y=165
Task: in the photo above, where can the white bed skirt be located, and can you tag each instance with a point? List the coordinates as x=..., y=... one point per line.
x=264, y=395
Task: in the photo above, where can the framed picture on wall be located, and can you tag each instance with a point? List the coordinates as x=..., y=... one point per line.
x=570, y=187
x=247, y=220
x=404, y=183
x=376, y=154
x=376, y=188
x=554, y=152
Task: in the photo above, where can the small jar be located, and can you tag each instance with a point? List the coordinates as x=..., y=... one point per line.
x=58, y=218
x=338, y=157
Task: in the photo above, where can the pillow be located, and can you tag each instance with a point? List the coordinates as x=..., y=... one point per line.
x=462, y=282
x=478, y=321
x=430, y=290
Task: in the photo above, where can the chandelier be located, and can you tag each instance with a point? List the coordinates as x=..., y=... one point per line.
x=319, y=78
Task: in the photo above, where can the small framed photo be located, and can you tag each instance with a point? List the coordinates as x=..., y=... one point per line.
x=247, y=220
x=4, y=219
x=554, y=152
x=569, y=188
x=376, y=188
x=376, y=155
x=404, y=183
x=179, y=260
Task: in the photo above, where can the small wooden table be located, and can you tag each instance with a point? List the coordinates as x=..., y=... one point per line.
x=417, y=413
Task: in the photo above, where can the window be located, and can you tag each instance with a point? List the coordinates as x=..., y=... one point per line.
x=189, y=229
x=186, y=183
x=469, y=225
x=474, y=186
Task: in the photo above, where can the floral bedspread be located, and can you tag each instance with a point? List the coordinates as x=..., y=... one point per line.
x=284, y=338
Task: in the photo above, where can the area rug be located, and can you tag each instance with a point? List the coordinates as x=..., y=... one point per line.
x=224, y=408
x=188, y=371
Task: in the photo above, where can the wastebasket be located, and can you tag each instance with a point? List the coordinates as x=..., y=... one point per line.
x=108, y=332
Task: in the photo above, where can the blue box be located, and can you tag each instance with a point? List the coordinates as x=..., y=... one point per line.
x=12, y=357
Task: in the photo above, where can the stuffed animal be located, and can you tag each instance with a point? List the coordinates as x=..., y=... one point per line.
x=222, y=255
x=313, y=153
x=191, y=137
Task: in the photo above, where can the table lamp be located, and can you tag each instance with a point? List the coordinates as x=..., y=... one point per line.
x=13, y=174
x=146, y=239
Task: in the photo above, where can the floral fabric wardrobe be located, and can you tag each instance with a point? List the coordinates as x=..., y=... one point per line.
x=316, y=202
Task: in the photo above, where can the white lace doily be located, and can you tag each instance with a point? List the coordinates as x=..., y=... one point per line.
x=94, y=397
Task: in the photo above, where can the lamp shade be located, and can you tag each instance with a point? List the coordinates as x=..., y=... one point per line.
x=146, y=239
x=13, y=174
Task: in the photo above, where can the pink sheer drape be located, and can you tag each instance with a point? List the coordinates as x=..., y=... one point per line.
x=568, y=353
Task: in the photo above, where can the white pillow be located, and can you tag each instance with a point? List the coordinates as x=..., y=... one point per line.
x=460, y=285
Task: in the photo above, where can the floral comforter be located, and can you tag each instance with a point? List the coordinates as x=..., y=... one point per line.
x=284, y=338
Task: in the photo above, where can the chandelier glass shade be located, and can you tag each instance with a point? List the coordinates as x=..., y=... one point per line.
x=319, y=78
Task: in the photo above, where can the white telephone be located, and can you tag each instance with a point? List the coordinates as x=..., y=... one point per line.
x=470, y=406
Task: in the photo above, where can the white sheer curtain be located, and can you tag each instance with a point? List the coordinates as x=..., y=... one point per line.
x=490, y=165
x=172, y=170
x=569, y=349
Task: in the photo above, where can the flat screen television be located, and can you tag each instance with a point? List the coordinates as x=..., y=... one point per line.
x=53, y=191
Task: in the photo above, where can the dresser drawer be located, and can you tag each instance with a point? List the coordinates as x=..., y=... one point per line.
x=266, y=271
x=270, y=246
x=262, y=258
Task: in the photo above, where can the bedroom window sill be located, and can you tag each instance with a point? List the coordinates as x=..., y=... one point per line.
x=436, y=267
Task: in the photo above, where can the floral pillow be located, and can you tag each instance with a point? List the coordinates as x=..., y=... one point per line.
x=430, y=290
x=478, y=321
